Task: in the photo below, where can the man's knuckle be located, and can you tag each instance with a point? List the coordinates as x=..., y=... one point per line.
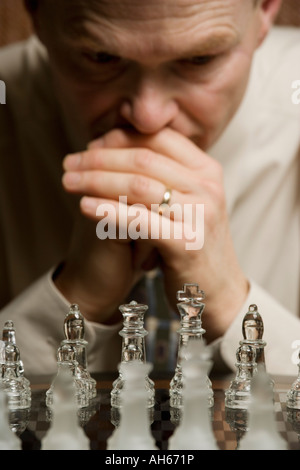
x=94, y=158
x=139, y=185
x=94, y=178
x=143, y=158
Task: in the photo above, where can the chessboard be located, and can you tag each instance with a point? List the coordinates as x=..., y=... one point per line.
x=99, y=419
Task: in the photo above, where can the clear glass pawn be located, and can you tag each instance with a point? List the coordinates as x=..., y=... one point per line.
x=238, y=394
x=74, y=330
x=190, y=308
x=293, y=395
x=133, y=349
x=16, y=386
x=66, y=381
x=9, y=336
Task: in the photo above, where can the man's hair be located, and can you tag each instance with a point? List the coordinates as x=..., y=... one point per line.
x=31, y=5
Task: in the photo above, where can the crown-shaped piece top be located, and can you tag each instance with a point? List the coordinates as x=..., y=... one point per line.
x=133, y=308
x=191, y=306
x=133, y=314
x=190, y=292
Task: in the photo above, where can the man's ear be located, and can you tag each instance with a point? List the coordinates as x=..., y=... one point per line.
x=267, y=11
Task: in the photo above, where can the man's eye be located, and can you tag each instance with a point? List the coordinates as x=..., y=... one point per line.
x=102, y=58
x=198, y=60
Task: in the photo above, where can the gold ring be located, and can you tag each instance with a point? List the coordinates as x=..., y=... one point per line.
x=167, y=197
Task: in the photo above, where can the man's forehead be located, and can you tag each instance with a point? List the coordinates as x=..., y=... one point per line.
x=150, y=14
x=150, y=9
x=164, y=26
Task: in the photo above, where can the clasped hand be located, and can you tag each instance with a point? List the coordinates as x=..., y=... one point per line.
x=142, y=167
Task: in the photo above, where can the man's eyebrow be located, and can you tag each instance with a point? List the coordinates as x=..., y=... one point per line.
x=209, y=43
x=216, y=42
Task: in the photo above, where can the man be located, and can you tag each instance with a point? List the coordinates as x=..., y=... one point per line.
x=143, y=98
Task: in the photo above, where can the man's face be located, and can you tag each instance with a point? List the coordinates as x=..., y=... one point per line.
x=182, y=64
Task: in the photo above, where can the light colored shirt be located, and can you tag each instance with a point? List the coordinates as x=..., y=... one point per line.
x=259, y=152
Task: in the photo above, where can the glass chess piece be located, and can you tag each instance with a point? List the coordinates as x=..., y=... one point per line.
x=293, y=417
x=238, y=394
x=195, y=430
x=8, y=438
x=263, y=432
x=19, y=419
x=115, y=415
x=238, y=422
x=253, y=330
x=293, y=395
x=74, y=331
x=66, y=381
x=190, y=308
x=65, y=431
x=133, y=430
x=16, y=386
x=133, y=349
x=9, y=336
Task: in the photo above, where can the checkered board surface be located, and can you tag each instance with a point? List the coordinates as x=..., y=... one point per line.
x=99, y=421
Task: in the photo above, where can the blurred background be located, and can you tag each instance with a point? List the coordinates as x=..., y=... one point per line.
x=15, y=23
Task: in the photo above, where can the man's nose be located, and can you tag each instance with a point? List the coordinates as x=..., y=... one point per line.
x=150, y=106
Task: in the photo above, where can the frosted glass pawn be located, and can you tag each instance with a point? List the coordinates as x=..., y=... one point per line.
x=262, y=431
x=9, y=336
x=67, y=379
x=74, y=330
x=190, y=308
x=133, y=349
x=238, y=394
x=293, y=395
x=195, y=430
x=8, y=439
x=134, y=430
x=65, y=432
